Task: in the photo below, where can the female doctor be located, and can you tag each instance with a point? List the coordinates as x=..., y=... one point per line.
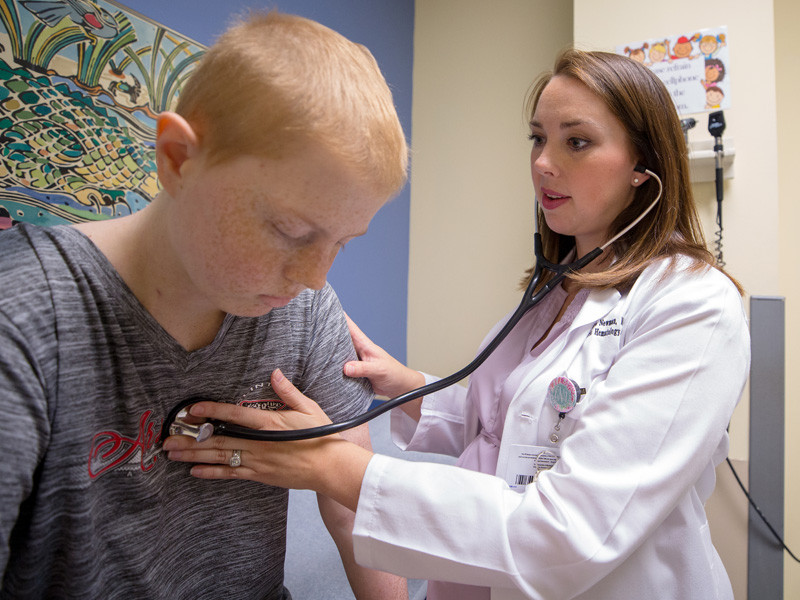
x=588, y=441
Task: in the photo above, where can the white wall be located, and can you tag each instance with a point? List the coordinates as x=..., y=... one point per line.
x=787, y=67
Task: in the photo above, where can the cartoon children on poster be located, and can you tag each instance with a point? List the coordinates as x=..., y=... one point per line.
x=694, y=66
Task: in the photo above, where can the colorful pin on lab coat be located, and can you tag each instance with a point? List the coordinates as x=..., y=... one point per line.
x=563, y=393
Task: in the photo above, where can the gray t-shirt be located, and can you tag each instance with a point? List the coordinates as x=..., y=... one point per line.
x=86, y=379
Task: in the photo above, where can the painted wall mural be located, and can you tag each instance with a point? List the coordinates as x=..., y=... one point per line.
x=81, y=85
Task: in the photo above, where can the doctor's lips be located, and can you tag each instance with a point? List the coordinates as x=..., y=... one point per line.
x=551, y=199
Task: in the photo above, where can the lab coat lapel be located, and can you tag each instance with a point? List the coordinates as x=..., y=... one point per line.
x=561, y=354
x=597, y=305
x=526, y=405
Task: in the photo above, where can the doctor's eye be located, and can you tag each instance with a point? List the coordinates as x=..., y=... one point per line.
x=575, y=143
x=536, y=138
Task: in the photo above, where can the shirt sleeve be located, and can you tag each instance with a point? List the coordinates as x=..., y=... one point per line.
x=24, y=426
x=641, y=449
x=330, y=348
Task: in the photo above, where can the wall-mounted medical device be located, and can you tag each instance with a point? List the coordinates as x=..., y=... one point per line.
x=703, y=157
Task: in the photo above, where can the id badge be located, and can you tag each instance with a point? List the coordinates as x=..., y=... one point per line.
x=525, y=463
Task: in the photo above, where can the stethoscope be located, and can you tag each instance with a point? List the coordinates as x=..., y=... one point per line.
x=175, y=425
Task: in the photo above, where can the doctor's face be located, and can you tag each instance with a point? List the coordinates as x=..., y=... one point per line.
x=581, y=163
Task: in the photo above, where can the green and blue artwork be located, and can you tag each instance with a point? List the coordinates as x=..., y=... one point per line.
x=81, y=86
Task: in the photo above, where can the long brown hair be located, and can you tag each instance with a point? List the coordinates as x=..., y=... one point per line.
x=643, y=106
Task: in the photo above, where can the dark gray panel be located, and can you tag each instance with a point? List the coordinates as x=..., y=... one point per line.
x=767, y=385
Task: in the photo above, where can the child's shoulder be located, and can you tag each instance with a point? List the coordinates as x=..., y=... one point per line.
x=31, y=256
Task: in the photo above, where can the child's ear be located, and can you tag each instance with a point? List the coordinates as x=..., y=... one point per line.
x=176, y=143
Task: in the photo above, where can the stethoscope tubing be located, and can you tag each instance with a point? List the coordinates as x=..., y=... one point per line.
x=531, y=298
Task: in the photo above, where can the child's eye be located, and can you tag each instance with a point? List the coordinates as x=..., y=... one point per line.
x=282, y=233
x=289, y=235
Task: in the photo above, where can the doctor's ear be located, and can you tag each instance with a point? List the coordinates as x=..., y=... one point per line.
x=176, y=144
x=640, y=175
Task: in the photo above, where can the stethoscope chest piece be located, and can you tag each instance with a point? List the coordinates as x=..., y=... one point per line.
x=200, y=431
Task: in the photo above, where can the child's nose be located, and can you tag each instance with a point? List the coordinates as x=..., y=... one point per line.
x=310, y=265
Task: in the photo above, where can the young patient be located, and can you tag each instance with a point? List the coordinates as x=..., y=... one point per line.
x=283, y=146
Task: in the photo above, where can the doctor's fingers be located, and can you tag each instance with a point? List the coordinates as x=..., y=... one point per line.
x=181, y=448
x=302, y=411
x=279, y=477
x=217, y=450
x=245, y=416
x=356, y=334
x=388, y=376
x=295, y=465
x=364, y=346
x=295, y=399
x=218, y=463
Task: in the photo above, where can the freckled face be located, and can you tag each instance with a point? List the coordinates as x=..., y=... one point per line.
x=253, y=232
x=581, y=163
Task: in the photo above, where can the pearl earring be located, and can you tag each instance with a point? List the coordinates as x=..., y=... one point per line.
x=635, y=180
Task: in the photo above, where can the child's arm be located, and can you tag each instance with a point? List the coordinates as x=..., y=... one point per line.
x=366, y=583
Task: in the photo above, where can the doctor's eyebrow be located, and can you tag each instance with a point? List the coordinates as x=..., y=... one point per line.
x=566, y=124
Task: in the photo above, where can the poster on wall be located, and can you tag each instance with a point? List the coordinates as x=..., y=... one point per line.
x=81, y=85
x=694, y=66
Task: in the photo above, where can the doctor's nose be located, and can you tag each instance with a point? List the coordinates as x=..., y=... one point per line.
x=543, y=162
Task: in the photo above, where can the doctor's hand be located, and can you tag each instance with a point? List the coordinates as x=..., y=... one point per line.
x=329, y=465
x=388, y=376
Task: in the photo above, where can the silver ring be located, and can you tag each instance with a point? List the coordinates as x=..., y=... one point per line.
x=236, y=458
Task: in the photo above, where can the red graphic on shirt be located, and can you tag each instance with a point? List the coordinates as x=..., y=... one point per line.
x=265, y=404
x=111, y=449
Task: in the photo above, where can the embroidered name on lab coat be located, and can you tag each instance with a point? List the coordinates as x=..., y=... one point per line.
x=609, y=327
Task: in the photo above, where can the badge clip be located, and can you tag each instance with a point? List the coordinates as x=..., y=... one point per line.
x=564, y=394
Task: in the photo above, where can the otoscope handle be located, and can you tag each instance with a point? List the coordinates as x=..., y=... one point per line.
x=718, y=156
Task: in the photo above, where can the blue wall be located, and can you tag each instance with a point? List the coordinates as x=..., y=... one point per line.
x=371, y=275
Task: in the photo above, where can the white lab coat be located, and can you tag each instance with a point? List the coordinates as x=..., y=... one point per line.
x=621, y=515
